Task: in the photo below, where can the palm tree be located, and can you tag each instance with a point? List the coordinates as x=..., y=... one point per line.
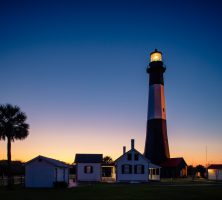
x=12, y=127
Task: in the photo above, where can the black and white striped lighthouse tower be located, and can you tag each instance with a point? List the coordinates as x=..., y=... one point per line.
x=156, y=147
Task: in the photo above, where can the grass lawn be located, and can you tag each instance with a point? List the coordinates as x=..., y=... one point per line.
x=118, y=191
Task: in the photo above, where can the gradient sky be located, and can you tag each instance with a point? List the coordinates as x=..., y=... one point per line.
x=78, y=70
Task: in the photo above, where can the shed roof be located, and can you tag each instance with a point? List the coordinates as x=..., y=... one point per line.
x=215, y=166
x=173, y=162
x=89, y=158
x=52, y=161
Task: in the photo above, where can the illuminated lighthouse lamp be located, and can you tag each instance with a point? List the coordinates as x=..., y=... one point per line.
x=155, y=56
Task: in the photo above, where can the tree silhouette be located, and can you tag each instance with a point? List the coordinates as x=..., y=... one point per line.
x=107, y=171
x=12, y=127
x=107, y=160
x=202, y=170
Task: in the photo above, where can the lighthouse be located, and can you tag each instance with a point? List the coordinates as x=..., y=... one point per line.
x=156, y=145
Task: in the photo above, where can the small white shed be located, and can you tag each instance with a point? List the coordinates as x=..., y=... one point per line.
x=43, y=172
x=88, y=167
x=215, y=172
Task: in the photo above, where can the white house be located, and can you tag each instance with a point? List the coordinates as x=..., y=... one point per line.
x=88, y=167
x=215, y=172
x=132, y=166
x=43, y=172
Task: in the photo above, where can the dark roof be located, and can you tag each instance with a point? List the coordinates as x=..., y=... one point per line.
x=52, y=161
x=89, y=158
x=215, y=166
x=173, y=162
x=129, y=152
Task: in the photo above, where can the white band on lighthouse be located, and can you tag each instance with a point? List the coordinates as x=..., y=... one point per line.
x=157, y=108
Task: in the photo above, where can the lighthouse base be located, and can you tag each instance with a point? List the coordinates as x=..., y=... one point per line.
x=156, y=147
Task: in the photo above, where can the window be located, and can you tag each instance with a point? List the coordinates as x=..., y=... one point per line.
x=64, y=174
x=139, y=169
x=136, y=156
x=129, y=156
x=56, y=174
x=88, y=169
x=126, y=169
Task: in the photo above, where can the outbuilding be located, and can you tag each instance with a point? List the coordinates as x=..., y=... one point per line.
x=43, y=172
x=174, y=168
x=88, y=167
x=215, y=172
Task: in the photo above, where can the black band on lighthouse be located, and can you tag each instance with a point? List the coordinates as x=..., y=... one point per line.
x=156, y=71
x=156, y=147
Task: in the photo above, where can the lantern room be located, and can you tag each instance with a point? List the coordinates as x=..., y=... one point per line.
x=156, y=56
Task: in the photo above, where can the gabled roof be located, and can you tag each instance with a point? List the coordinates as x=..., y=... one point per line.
x=51, y=161
x=215, y=166
x=129, y=152
x=173, y=162
x=88, y=158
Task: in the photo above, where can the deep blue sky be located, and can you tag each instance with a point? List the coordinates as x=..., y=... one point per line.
x=78, y=69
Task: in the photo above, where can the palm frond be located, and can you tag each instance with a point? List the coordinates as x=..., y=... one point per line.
x=12, y=123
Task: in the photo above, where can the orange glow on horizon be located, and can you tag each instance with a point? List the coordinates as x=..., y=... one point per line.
x=63, y=143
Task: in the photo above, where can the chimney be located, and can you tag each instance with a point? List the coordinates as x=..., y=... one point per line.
x=124, y=149
x=132, y=143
